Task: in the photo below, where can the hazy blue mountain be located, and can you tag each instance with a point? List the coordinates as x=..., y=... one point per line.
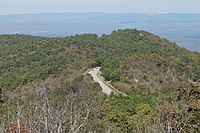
x=180, y=28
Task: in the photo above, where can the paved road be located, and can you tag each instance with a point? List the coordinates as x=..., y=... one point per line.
x=105, y=89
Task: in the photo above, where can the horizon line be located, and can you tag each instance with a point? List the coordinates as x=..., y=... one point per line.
x=99, y=12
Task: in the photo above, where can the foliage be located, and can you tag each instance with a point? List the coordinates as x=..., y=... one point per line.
x=164, y=79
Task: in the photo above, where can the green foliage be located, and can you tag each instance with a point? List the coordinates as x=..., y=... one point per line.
x=158, y=63
x=96, y=86
x=155, y=66
x=142, y=110
x=123, y=113
x=180, y=67
x=195, y=75
x=145, y=77
x=26, y=58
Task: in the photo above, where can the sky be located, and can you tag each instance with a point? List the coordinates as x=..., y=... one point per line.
x=110, y=6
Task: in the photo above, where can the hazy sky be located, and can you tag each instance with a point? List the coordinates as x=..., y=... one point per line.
x=133, y=6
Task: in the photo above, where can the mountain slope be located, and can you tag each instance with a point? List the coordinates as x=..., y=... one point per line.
x=155, y=74
x=25, y=58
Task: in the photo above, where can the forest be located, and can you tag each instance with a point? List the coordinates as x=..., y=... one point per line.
x=44, y=85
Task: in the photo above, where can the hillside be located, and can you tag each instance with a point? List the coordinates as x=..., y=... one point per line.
x=160, y=78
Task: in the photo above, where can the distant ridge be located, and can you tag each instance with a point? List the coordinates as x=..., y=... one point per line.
x=182, y=28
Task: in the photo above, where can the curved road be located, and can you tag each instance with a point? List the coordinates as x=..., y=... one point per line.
x=105, y=89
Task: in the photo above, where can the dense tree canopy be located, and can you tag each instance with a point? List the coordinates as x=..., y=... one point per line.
x=160, y=78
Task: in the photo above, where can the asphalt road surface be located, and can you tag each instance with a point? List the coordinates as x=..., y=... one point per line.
x=105, y=89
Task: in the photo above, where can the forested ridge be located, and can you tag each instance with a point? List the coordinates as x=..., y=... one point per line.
x=45, y=87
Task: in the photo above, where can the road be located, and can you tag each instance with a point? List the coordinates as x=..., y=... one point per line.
x=105, y=89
